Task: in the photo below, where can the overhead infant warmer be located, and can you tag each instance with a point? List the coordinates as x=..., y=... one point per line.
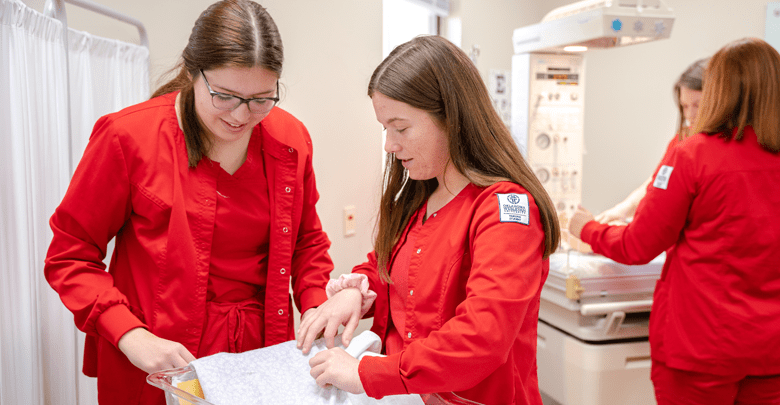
x=593, y=320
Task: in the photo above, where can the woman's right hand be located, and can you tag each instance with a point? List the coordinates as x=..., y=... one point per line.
x=343, y=308
x=151, y=353
x=578, y=220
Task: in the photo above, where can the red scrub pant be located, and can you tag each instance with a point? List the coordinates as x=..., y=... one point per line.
x=680, y=387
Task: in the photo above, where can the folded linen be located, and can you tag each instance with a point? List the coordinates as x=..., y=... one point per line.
x=279, y=374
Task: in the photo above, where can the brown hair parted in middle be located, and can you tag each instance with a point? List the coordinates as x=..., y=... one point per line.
x=742, y=88
x=692, y=78
x=230, y=33
x=432, y=74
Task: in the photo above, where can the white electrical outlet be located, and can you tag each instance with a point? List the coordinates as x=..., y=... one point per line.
x=349, y=220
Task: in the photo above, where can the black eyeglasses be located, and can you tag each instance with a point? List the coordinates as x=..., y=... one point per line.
x=230, y=102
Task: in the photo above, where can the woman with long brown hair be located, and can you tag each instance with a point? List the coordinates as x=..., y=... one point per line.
x=713, y=326
x=464, y=232
x=209, y=190
x=687, y=96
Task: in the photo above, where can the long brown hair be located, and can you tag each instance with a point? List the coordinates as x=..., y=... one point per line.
x=692, y=78
x=230, y=33
x=432, y=74
x=743, y=88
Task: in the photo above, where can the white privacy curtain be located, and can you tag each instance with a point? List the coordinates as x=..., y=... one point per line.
x=106, y=75
x=40, y=357
x=37, y=339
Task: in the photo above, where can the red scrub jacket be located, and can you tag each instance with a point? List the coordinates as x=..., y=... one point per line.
x=721, y=285
x=472, y=309
x=134, y=182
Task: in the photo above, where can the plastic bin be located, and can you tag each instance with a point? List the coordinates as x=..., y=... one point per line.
x=181, y=386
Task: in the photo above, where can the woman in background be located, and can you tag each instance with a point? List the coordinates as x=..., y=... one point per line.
x=687, y=95
x=209, y=191
x=714, y=332
x=465, y=229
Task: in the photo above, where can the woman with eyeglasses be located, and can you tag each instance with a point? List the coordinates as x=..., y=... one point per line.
x=209, y=190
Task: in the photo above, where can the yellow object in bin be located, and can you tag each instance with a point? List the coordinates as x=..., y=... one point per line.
x=191, y=386
x=181, y=386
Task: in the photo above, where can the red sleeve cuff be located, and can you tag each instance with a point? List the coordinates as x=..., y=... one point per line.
x=381, y=376
x=312, y=297
x=589, y=230
x=115, y=321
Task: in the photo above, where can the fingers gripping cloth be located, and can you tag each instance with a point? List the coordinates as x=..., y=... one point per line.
x=279, y=374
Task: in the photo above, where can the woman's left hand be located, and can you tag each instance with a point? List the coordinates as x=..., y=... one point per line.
x=578, y=221
x=336, y=367
x=343, y=308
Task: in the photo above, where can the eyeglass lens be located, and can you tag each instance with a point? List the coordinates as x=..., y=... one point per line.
x=228, y=102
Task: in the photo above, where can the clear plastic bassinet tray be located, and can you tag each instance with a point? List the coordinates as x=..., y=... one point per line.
x=181, y=386
x=273, y=375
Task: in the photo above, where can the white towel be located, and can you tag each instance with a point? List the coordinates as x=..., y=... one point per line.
x=279, y=374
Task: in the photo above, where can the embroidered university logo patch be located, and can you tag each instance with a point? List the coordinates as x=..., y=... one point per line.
x=662, y=178
x=513, y=208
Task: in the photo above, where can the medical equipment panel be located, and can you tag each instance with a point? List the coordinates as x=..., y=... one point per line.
x=547, y=122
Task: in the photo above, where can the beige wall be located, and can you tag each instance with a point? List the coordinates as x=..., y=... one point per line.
x=629, y=108
x=332, y=47
x=630, y=113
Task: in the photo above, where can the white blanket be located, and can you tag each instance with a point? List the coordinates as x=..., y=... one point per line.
x=280, y=375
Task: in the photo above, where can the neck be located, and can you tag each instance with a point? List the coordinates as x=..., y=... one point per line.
x=451, y=183
x=177, y=107
x=230, y=155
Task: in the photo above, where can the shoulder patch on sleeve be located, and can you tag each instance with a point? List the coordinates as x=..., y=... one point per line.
x=662, y=178
x=513, y=208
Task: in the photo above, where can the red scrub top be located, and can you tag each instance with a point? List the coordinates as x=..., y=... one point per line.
x=669, y=147
x=660, y=293
x=235, y=296
x=400, y=287
x=202, y=258
x=716, y=202
x=471, y=304
x=242, y=205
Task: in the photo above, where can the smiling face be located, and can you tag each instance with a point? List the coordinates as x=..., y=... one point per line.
x=229, y=126
x=689, y=101
x=414, y=137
